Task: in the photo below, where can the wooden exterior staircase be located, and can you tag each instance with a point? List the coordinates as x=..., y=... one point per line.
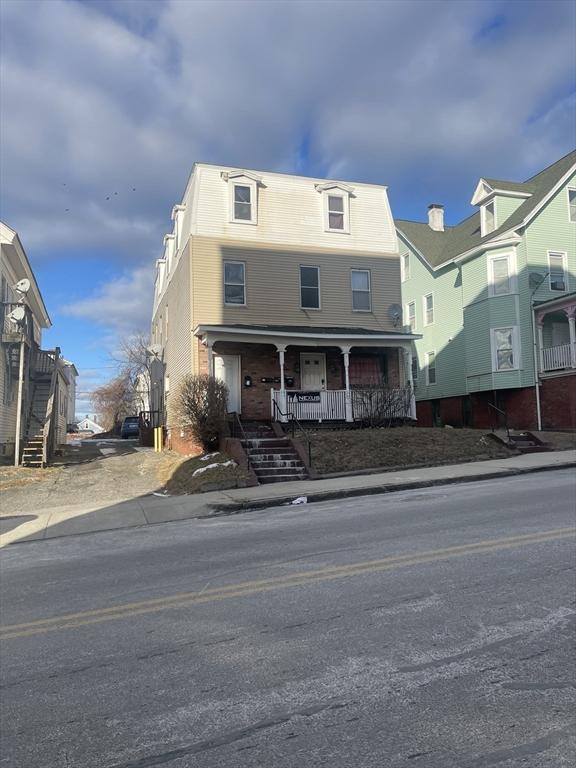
x=38, y=443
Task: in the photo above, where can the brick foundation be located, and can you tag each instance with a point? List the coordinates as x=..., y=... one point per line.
x=181, y=440
x=558, y=402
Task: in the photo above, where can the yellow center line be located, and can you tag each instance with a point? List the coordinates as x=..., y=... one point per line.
x=183, y=599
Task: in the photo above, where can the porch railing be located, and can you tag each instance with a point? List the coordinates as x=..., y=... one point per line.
x=556, y=358
x=331, y=404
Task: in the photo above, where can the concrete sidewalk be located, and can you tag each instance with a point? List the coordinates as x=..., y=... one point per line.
x=152, y=509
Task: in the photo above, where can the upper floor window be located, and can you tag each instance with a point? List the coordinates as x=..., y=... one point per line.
x=405, y=267
x=557, y=270
x=243, y=196
x=336, y=204
x=431, y=368
x=310, y=287
x=501, y=275
x=572, y=204
x=488, y=218
x=234, y=283
x=242, y=203
x=361, y=299
x=504, y=349
x=428, y=302
x=414, y=368
x=411, y=315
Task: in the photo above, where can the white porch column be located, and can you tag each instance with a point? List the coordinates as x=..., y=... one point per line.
x=571, y=312
x=209, y=345
x=282, y=394
x=348, y=397
x=540, y=329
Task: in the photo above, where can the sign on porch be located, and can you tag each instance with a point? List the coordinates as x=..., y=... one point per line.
x=304, y=397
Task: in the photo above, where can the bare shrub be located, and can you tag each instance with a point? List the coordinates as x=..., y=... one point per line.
x=201, y=405
x=379, y=406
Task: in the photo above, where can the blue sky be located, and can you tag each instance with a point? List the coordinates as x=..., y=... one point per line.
x=107, y=103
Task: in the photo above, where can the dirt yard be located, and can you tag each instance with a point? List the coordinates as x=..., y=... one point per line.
x=353, y=450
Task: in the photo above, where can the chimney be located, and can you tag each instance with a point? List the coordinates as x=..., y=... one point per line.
x=436, y=217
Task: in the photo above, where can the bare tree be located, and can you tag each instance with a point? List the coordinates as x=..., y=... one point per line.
x=113, y=401
x=135, y=364
x=381, y=406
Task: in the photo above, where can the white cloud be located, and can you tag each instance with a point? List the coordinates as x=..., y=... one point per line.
x=122, y=305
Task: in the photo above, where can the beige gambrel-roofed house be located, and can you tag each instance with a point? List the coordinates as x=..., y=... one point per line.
x=287, y=288
x=35, y=384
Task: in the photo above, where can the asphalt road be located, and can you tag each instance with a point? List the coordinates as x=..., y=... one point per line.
x=428, y=628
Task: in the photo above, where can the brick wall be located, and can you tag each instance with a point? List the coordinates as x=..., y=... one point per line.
x=424, y=413
x=451, y=411
x=181, y=441
x=558, y=402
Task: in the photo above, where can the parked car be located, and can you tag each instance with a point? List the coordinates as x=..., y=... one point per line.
x=130, y=427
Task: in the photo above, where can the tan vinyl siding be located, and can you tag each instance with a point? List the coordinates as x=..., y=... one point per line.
x=290, y=210
x=272, y=275
x=178, y=345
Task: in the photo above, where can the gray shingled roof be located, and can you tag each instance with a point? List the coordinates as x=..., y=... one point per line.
x=441, y=247
x=510, y=186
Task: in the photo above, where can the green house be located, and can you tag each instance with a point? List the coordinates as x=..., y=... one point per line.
x=494, y=299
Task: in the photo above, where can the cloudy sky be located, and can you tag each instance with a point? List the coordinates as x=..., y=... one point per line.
x=105, y=105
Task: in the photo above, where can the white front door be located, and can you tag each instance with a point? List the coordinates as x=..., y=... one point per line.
x=313, y=371
x=227, y=369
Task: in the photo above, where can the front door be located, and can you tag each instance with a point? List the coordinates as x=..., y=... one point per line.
x=313, y=371
x=227, y=369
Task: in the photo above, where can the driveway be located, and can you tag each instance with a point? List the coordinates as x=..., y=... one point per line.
x=90, y=472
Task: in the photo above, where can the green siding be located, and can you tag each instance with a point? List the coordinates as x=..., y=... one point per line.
x=465, y=313
x=505, y=207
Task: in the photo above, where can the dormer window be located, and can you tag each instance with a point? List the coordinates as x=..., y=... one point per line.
x=242, y=203
x=488, y=218
x=336, y=205
x=243, y=196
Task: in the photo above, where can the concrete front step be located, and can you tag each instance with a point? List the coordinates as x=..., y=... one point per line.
x=266, y=442
x=276, y=463
x=273, y=457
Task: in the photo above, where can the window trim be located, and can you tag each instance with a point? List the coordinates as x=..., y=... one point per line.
x=357, y=290
x=317, y=268
x=428, y=382
x=345, y=197
x=564, y=256
x=242, y=181
x=483, y=229
x=407, y=310
x=568, y=190
x=512, y=273
x=415, y=368
x=404, y=273
x=424, y=311
x=228, y=303
x=515, y=348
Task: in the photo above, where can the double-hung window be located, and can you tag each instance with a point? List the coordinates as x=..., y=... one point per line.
x=309, y=287
x=572, y=204
x=488, y=218
x=428, y=302
x=361, y=299
x=411, y=315
x=336, y=212
x=243, y=203
x=557, y=270
x=504, y=349
x=405, y=267
x=234, y=283
x=431, y=368
x=414, y=368
x=500, y=277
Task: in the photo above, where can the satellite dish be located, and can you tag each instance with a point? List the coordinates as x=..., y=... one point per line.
x=535, y=279
x=22, y=286
x=17, y=315
x=395, y=314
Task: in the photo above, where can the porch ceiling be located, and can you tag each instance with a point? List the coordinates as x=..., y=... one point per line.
x=284, y=336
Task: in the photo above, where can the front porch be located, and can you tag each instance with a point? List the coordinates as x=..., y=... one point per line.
x=336, y=375
x=556, y=327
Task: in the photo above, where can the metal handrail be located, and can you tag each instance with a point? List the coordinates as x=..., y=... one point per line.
x=495, y=408
x=294, y=420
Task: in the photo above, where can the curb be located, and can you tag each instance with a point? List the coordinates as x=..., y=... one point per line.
x=235, y=508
